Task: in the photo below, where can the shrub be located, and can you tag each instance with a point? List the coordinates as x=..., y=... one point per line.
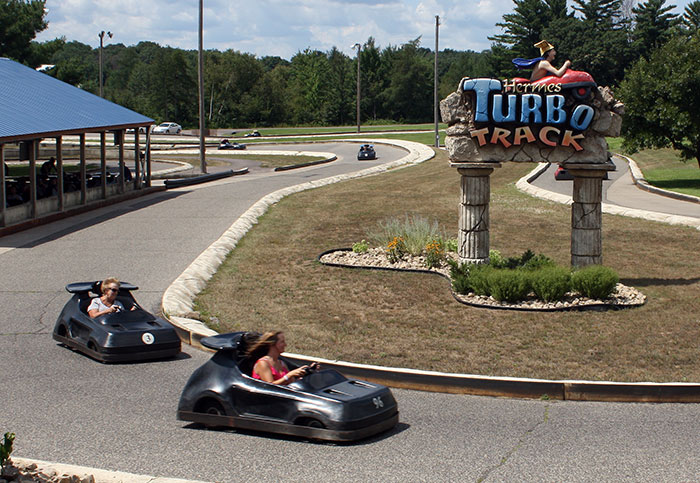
x=550, y=283
x=511, y=279
x=479, y=279
x=595, y=281
x=525, y=257
x=6, y=448
x=460, y=277
x=395, y=249
x=451, y=245
x=539, y=261
x=527, y=260
x=508, y=285
x=435, y=253
x=496, y=260
x=360, y=247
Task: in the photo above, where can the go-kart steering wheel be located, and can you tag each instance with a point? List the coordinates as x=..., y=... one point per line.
x=313, y=367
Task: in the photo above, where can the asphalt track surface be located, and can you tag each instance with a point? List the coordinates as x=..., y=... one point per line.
x=65, y=407
x=620, y=190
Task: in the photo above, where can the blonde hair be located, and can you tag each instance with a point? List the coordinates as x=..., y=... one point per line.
x=108, y=281
x=262, y=346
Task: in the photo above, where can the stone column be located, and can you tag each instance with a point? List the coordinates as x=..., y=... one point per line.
x=473, y=237
x=586, y=213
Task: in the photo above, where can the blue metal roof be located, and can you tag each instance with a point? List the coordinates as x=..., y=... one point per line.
x=33, y=104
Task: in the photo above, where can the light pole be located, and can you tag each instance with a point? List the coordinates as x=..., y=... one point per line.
x=200, y=76
x=358, y=47
x=435, y=78
x=101, y=35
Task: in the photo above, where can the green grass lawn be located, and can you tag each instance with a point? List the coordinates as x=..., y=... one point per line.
x=411, y=320
x=300, y=131
x=419, y=137
x=265, y=160
x=664, y=168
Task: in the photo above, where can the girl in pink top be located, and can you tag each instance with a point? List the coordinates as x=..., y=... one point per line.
x=270, y=368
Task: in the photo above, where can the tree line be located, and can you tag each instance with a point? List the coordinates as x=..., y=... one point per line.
x=610, y=39
x=240, y=89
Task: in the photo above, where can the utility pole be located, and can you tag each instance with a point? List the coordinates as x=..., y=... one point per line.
x=200, y=57
x=101, y=35
x=359, y=47
x=435, y=87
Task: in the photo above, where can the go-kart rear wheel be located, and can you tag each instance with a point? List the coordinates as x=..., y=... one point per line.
x=311, y=423
x=212, y=407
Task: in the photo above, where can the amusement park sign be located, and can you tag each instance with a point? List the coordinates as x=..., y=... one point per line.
x=516, y=112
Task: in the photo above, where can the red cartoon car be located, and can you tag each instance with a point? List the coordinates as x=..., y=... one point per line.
x=580, y=83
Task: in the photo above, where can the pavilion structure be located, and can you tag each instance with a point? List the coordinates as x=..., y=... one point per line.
x=37, y=113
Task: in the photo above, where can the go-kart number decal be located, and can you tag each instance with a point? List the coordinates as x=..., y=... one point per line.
x=148, y=338
x=378, y=403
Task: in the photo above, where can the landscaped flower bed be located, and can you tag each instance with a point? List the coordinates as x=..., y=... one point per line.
x=528, y=282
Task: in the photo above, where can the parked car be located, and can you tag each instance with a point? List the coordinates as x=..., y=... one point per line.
x=167, y=128
x=366, y=152
x=142, y=130
x=126, y=335
x=562, y=174
x=253, y=134
x=321, y=405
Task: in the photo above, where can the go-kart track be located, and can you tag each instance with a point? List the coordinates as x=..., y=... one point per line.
x=68, y=408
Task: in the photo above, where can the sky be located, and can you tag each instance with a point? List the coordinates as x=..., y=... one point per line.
x=281, y=27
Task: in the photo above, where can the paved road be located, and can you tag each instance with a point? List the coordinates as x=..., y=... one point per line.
x=620, y=190
x=68, y=408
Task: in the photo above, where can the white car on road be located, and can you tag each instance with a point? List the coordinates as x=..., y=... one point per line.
x=167, y=128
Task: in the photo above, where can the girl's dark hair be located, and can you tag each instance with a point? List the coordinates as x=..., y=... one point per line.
x=262, y=346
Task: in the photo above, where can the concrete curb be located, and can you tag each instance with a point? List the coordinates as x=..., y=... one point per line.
x=183, y=166
x=178, y=299
x=86, y=474
x=523, y=184
x=571, y=390
x=304, y=165
x=243, y=152
x=204, y=178
x=163, y=173
x=642, y=183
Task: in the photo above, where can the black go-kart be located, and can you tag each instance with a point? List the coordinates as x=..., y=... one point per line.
x=366, y=152
x=322, y=405
x=563, y=174
x=126, y=335
x=226, y=144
